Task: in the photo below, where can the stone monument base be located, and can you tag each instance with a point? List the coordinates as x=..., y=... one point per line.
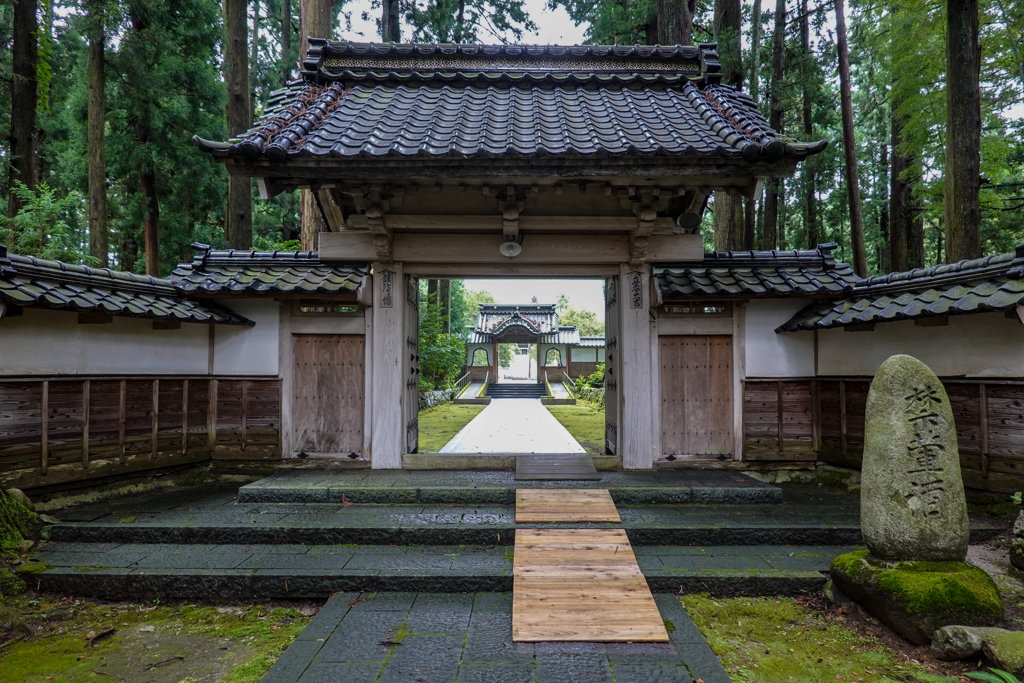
x=915, y=599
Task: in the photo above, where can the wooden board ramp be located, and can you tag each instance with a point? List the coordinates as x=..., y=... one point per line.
x=581, y=585
x=560, y=467
x=565, y=505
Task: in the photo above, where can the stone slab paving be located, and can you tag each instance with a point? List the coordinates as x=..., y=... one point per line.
x=467, y=638
x=315, y=571
x=499, y=487
x=514, y=425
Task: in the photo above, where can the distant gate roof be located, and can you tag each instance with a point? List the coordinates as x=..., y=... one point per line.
x=360, y=102
x=990, y=284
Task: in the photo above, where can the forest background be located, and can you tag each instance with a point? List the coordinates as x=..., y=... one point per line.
x=101, y=98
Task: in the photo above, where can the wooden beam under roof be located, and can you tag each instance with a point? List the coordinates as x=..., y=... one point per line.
x=538, y=249
x=447, y=223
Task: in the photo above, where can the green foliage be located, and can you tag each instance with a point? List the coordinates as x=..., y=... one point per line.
x=465, y=305
x=442, y=356
x=505, y=353
x=585, y=321
x=49, y=225
x=585, y=422
x=611, y=22
x=437, y=426
x=996, y=676
x=594, y=379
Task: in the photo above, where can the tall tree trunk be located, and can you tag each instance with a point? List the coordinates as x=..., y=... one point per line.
x=286, y=40
x=44, y=45
x=729, y=222
x=783, y=244
x=728, y=22
x=770, y=229
x=675, y=21
x=860, y=256
x=238, y=214
x=316, y=19
x=899, y=197
x=254, y=55
x=98, y=234
x=460, y=22
x=151, y=203
x=963, y=131
x=755, y=50
x=24, y=86
x=444, y=297
x=883, y=208
x=390, y=26
x=915, y=238
x=810, y=177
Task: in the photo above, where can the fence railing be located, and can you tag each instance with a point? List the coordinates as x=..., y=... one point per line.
x=460, y=385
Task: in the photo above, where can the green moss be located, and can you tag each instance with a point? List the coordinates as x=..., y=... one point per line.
x=833, y=478
x=584, y=422
x=438, y=425
x=10, y=584
x=190, y=642
x=669, y=626
x=778, y=639
x=17, y=523
x=926, y=587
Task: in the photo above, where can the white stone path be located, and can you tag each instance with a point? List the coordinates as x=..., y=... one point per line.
x=514, y=425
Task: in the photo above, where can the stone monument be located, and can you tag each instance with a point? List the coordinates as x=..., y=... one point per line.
x=914, y=513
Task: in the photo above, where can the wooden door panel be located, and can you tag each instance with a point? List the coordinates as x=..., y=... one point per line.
x=696, y=395
x=327, y=411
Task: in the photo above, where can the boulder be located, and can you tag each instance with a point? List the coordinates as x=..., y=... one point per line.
x=1005, y=651
x=960, y=642
x=913, y=506
x=915, y=599
x=19, y=495
x=1017, y=542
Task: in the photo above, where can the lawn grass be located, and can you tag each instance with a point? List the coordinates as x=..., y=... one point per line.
x=439, y=425
x=586, y=424
x=774, y=640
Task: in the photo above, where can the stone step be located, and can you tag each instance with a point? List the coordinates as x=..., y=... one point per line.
x=488, y=487
x=219, y=572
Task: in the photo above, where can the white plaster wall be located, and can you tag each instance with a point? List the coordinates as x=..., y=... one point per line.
x=42, y=342
x=584, y=355
x=248, y=350
x=982, y=345
x=789, y=354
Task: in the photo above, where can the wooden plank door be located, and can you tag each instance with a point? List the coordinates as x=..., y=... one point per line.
x=611, y=366
x=696, y=395
x=327, y=387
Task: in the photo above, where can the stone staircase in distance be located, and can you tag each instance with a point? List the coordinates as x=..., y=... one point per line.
x=516, y=390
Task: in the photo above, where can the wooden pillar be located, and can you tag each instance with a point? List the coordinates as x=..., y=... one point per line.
x=121, y=415
x=636, y=425
x=387, y=430
x=983, y=418
x=44, y=427
x=211, y=418
x=184, y=417
x=156, y=415
x=85, y=424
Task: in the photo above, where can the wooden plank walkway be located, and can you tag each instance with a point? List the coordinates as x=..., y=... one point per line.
x=565, y=505
x=578, y=584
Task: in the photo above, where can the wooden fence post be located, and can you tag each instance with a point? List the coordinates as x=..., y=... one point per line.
x=815, y=416
x=85, y=424
x=121, y=419
x=211, y=418
x=184, y=416
x=983, y=415
x=842, y=416
x=245, y=398
x=44, y=419
x=782, y=448
x=156, y=410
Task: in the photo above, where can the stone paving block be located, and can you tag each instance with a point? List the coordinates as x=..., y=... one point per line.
x=668, y=550
x=381, y=601
x=305, y=561
x=426, y=659
x=798, y=562
x=497, y=673
x=290, y=548
x=716, y=551
x=408, y=562
x=359, y=636
x=684, y=630
x=73, y=547
x=342, y=672
x=379, y=496
x=555, y=668
x=440, y=614
x=293, y=662
x=658, y=654
x=356, y=549
x=204, y=560
x=788, y=582
x=327, y=619
x=650, y=673
x=703, y=664
x=706, y=562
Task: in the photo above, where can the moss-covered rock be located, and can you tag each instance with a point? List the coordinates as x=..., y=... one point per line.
x=17, y=523
x=1017, y=543
x=1005, y=651
x=10, y=584
x=916, y=599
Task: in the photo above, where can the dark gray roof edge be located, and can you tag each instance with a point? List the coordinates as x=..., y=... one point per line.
x=207, y=255
x=820, y=257
x=347, y=47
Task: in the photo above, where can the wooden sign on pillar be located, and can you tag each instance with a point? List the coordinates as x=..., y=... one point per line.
x=387, y=432
x=636, y=425
x=387, y=289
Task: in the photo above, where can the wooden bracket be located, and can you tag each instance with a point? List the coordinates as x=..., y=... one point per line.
x=364, y=295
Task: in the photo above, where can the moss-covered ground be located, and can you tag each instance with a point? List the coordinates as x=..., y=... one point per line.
x=438, y=425
x=584, y=422
x=153, y=643
x=776, y=640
